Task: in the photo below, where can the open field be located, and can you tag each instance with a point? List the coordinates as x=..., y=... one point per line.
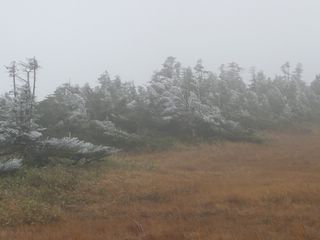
x=227, y=191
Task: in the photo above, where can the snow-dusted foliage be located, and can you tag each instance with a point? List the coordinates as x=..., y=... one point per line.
x=176, y=94
x=108, y=128
x=85, y=112
x=178, y=101
x=194, y=96
x=8, y=128
x=75, y=103
x=74, y=147
x=10, y=165
x=17, y=122
x=20, y=132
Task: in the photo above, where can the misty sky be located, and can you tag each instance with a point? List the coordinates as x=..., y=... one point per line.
x=79, y=39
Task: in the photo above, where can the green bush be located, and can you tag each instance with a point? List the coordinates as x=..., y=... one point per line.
x=38, y=195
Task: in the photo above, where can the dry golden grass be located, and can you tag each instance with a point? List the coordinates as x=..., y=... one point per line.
x=238, y=191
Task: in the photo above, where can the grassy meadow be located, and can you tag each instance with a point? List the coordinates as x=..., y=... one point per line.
x=225, y=191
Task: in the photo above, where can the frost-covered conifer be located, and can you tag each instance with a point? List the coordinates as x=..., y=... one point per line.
x=20, y=132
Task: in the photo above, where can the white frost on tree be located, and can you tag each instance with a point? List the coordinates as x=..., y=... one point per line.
x=10, y=165
x=76, y=146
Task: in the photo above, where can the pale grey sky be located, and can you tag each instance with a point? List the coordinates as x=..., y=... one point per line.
x=79, y=39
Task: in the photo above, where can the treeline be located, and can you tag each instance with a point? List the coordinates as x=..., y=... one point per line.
x=178, y=102
x=181, y=102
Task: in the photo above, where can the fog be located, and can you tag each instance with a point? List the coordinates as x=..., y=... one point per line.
x=76, y=40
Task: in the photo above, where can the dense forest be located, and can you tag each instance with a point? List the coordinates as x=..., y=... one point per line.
x=83, y=123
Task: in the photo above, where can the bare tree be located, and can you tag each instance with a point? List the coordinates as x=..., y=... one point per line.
x=12, y=70
x=30, y=66
x=34, y=66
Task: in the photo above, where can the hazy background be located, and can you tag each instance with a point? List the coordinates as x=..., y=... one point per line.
x=79, y=39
